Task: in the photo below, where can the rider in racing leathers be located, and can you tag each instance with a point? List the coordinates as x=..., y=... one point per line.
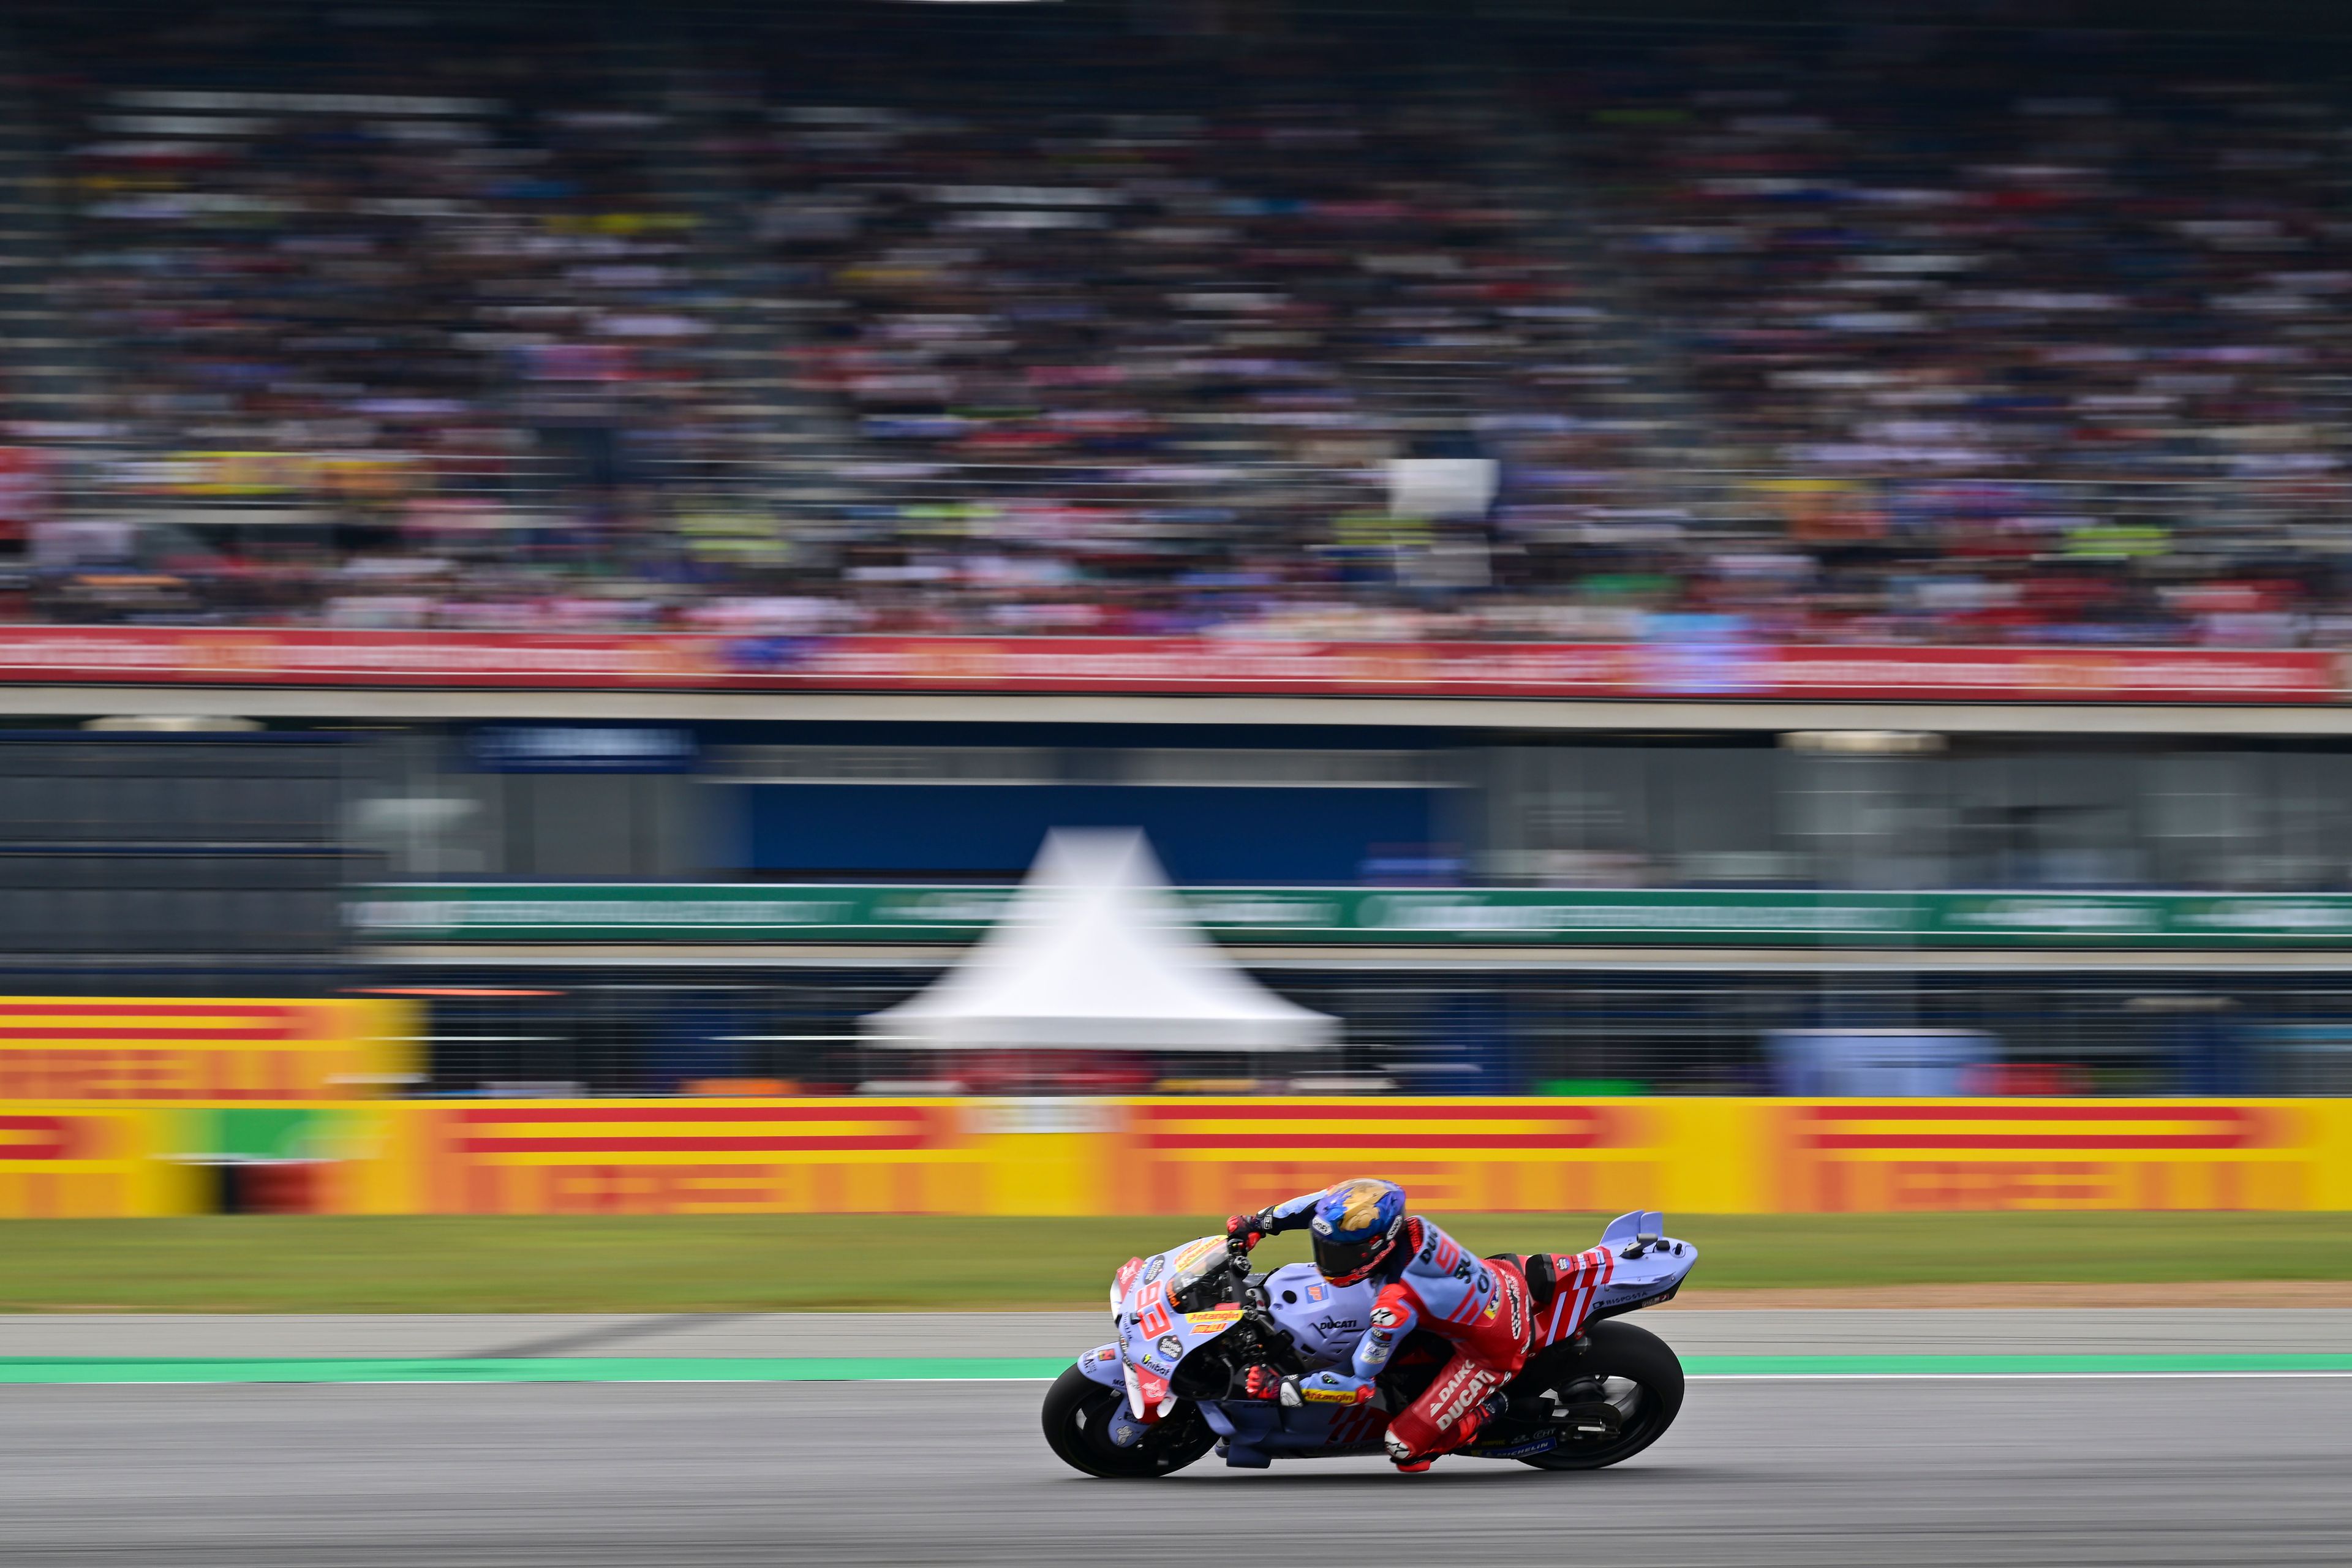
x=1427, y=1280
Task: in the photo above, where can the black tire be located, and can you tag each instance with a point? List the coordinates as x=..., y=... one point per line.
x=1619, y=1354
x=1078, y=1428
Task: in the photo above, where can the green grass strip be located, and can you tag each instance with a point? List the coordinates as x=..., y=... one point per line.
x=900, y=1369
x=806, y=1263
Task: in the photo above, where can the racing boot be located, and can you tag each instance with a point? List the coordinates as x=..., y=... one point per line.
x=1486, y=1409
x=1405, y=1460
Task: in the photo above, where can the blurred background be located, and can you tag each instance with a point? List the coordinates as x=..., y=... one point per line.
x=717, y=695
x=1906, y=445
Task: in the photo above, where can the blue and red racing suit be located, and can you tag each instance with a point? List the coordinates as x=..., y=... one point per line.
x=1482, y=1306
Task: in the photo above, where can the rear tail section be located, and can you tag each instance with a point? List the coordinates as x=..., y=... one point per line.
x=1577, y=1280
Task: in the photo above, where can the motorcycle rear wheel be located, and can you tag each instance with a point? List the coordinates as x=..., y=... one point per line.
x=1638, y=1373
x=1077, y=1417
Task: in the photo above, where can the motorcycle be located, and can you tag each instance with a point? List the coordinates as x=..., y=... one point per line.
x=1192, y=1320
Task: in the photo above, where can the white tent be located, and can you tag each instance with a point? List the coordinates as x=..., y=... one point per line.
x=1096, y=952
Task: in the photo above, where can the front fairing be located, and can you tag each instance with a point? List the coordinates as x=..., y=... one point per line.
x=1102, y=1364
x=1324, y=1321
x=1154, y=1335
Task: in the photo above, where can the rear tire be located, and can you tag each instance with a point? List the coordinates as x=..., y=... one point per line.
x=1639, y=1373
x=1078, y=1413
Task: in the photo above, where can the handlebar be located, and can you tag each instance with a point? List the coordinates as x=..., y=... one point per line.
x=1237, y=1259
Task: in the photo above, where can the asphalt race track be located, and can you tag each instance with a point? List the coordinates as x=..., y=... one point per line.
x=2128, y=1472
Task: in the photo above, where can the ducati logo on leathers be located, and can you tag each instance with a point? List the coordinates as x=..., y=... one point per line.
x=1465, y=1388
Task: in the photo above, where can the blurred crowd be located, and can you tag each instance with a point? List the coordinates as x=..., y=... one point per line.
x=896, y=320
x=1895, y=256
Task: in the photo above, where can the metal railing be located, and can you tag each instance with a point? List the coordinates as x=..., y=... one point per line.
x=1527, y=1031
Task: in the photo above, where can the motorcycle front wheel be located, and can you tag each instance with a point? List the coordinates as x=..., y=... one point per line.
x=1627, y=1382
x=1078, y=1417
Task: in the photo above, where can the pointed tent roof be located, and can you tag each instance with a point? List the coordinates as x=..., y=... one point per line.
x=1095, y=951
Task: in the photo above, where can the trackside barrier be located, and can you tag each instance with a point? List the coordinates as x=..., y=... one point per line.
x=127, y=1106
x=194, y=1051
x=1186, y=1155
x=666, y=661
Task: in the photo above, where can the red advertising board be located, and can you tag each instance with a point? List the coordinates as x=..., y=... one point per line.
x=651, y=661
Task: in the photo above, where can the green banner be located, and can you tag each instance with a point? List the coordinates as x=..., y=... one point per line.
x=759, y=912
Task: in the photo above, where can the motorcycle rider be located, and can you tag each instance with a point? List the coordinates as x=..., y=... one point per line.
x=1361, y=1231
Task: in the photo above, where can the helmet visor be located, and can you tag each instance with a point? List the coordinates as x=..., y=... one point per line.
x=1345, y=1262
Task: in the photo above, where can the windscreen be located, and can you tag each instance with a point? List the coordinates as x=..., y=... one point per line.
x=1194, y=1262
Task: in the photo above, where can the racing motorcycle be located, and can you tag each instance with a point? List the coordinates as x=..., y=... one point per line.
x=1190, y=1322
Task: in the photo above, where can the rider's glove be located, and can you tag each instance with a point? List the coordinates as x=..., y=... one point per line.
x=1264, y=1383
x=1249, y=1229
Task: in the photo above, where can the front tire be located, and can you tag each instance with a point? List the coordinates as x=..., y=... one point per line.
x=1630, y=1369
x=1078, y=1414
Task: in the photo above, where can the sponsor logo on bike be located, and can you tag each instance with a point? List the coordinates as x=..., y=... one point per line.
x=1170, y=1346
x=1624, y=1303
x=1330, y=1326
x=1532, y=1447
x=1214, y=1322
x=1335, y=1396
x=1151, y=1270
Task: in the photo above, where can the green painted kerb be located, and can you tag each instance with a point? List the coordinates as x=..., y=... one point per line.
x=902, y=1369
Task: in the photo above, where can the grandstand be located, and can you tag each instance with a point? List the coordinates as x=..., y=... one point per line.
x=797, y=321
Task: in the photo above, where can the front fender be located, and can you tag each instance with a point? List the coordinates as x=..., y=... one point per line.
x=1101, y=1364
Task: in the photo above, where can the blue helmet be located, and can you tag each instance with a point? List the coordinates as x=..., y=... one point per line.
x=1356, y=1223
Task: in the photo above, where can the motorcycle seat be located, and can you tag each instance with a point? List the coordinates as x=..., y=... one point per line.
x=1542, y=1275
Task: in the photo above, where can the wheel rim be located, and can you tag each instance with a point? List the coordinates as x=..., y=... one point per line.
x=1640, y=1412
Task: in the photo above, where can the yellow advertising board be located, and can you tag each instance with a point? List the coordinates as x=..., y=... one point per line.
x=1186, y=1154
x=1183, y=1154
x=1880, y=1157
x=81, y=1161
x=1194, y=1156
x=199, y=1051
x=689, y=1156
